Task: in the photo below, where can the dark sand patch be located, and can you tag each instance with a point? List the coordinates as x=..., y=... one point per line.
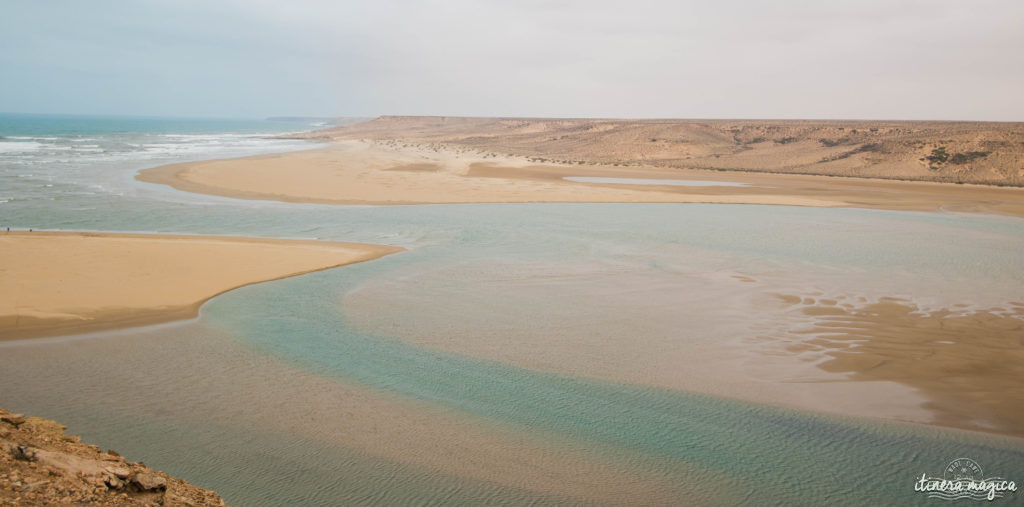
x=968, y=364
x=416, y=168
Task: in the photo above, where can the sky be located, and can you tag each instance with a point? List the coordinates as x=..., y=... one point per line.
x=782, y=59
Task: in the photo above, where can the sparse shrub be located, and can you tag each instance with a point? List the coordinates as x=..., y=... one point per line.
x=963, y=158
x=830, y=143
x=938, y=156
x=786, y=140
x=864, y=148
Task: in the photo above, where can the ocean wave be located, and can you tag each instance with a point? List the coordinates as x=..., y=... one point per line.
x=191, y=137
x=174, y=148
x=19, y=146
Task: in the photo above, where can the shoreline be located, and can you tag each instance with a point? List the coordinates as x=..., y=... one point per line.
x=87, y=297
x=401, y=173
x=388, y=173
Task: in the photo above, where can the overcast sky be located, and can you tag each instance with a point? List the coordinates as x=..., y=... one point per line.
x=863, y=59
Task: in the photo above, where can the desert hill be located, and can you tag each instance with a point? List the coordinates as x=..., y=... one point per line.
x=958, y=152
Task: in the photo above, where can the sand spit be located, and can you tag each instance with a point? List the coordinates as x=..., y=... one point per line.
x=964, y=152
x=61, y=283
x=398, y=172
x=40, y=465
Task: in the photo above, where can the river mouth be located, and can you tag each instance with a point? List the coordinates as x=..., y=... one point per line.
x=546, y=353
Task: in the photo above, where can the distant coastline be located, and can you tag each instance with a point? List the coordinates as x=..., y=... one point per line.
x=989, y=153
x=390, y=170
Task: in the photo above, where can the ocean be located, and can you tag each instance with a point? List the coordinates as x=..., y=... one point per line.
x=515, y=354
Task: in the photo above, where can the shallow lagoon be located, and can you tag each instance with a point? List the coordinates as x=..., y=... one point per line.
x=475, y=269
x=392, y=381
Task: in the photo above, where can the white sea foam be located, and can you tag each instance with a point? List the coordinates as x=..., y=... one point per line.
x=206, y=137
x=174, y=148
x=19, y=146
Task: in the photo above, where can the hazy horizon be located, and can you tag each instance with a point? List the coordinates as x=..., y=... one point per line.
x=873, y=60
x=538, y=117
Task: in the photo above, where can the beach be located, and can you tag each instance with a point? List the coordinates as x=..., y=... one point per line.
x=64, y=283
x=405, y=173
x=393, y=169
x=511, y=253
x=553, y=331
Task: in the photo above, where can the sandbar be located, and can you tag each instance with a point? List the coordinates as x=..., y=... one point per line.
x=56, y=283
x=359, y=172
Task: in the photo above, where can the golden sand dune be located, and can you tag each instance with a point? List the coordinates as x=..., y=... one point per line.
x=967, y=152
x=57, y=283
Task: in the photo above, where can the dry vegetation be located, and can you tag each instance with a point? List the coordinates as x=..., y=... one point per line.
x=958, y=152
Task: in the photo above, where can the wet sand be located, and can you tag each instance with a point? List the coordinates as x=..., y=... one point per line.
x=63, y=283
x=967, y=364
x=359, y=172
x=363, y=426
x=394, y=172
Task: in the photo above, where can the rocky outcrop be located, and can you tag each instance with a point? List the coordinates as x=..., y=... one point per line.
x=40, y=465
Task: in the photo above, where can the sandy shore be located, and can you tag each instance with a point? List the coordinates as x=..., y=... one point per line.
x=896, y=372
x=61, y=283
x=391, y=172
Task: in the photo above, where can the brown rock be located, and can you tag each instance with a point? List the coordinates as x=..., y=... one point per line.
x=24, y=453
x=39, y=466
x=149, y=482
x=119, y=472
x=33, y=485
x=13, y=419
x=113, y=482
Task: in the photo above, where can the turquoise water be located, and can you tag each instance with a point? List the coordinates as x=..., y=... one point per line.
x=250, y=399
x=768, y=455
